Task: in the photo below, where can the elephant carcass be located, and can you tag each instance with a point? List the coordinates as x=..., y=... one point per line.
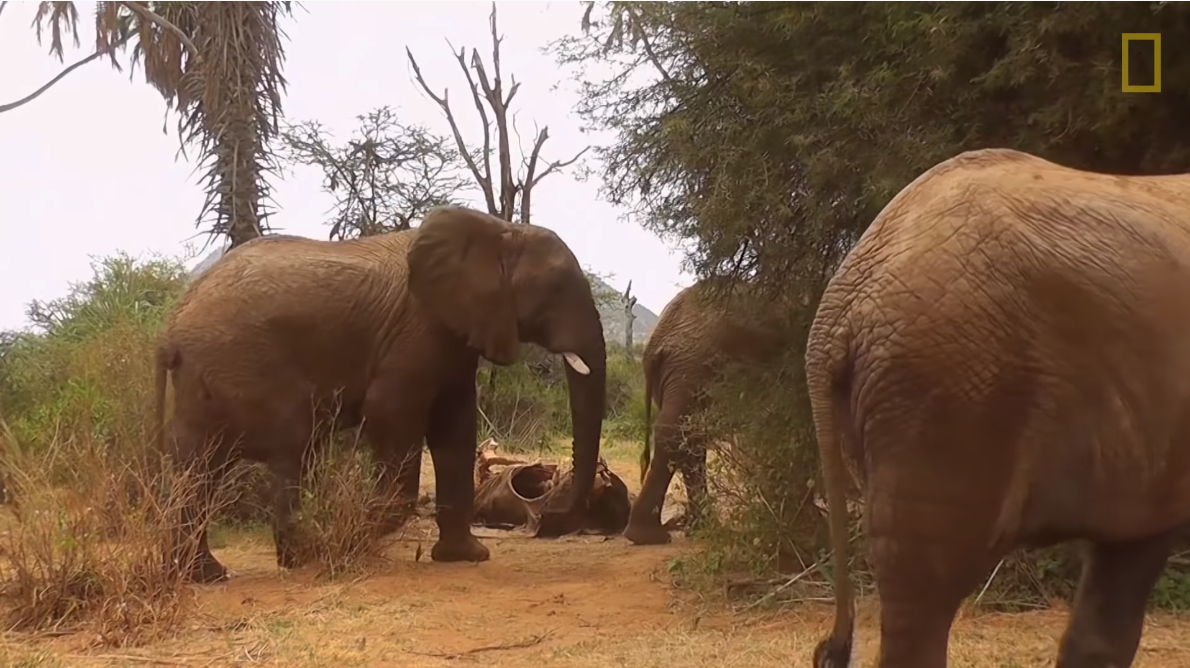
x=1003, y=354
x=516, y=495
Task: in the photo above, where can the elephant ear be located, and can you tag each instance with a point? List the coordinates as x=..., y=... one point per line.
x=460, y=268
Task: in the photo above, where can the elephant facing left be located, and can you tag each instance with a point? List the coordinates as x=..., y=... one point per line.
x=385, y=330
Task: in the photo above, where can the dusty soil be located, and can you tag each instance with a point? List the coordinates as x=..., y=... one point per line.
x=573, y=602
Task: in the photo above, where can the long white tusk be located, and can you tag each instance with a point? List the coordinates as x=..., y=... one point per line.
x=576, y=363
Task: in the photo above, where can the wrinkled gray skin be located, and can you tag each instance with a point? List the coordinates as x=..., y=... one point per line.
x=394, y=325
x=689, y=346
x=1004, y=357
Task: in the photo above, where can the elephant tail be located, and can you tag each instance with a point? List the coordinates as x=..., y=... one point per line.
x=165, y=358
x=829, y=377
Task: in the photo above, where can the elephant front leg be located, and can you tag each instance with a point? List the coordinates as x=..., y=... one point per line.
x=451, y=438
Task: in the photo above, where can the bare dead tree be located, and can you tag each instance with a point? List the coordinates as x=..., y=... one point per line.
x=492, y=103
x=629, y=317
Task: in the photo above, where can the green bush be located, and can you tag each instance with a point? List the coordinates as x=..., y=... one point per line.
x=92, y=505
x=526, y=407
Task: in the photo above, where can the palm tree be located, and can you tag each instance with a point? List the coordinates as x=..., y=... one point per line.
x=218, y=65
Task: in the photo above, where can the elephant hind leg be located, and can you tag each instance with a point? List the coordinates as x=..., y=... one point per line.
x=289, y=445
x=693, y=465
x=206, y=458
x=644, y=520
x=1109, y=608
x=928, y=555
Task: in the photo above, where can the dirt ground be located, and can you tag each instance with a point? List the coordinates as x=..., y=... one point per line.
x=575, y=602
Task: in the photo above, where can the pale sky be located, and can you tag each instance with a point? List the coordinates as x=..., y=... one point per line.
x=85, y=169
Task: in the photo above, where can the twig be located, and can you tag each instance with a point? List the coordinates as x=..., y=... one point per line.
x=989, y=582
x=521, y=644
x=788, y=583
x=133, y=658
x=37, y=93
x=487, y=420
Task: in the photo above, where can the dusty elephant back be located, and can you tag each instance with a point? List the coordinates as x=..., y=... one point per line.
x=271, y=276
x=1039, y=307
x=702, y=333
x=288, y=314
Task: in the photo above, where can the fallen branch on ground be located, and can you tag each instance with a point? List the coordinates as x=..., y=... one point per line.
x=521, y=644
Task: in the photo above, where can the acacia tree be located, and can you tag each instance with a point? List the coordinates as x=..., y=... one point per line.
x=771, y=134
x=386, y=177
x=512, y=199
x=218, y=66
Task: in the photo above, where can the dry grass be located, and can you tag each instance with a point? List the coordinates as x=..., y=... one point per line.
x=346, y=519
x=89, y=542
x=567, y=603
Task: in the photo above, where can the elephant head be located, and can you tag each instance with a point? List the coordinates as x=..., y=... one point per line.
x=496, y=284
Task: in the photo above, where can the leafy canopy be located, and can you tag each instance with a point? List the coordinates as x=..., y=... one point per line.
x=770, y=134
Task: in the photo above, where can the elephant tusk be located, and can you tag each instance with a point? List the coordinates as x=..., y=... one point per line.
x=576, y=363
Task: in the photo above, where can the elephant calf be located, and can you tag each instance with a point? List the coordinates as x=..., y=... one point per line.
x=1004, y=355
x=687, y=348
x=390, y=328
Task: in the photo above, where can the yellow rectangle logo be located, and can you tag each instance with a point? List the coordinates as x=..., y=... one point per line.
x=1155, y=38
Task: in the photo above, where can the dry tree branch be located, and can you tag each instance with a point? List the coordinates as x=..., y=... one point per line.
x=486, y=181
x=494, y=93
x=99, y=53
x=443, y=102
x=649, y=53
x=105, y=49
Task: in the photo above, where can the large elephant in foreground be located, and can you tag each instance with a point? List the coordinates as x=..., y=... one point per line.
x=1004, y=354
x=388, y=330
x=694, y=338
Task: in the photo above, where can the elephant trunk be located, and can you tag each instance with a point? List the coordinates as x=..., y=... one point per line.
x=588, y=393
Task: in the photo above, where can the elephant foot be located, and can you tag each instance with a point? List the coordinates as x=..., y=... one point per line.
x=207, y=570
x=650, y=534
x=287, y=556
x=467, y=548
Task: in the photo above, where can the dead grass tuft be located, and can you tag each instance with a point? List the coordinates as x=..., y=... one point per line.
x=347, y=518
x=89, y=538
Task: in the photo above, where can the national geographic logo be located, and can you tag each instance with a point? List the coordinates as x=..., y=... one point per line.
x=1155, y=87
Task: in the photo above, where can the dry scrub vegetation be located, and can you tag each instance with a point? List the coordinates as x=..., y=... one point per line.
x=86, y=534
